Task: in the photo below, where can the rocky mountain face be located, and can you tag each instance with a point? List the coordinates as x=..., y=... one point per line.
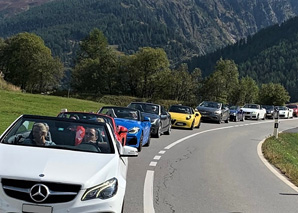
x=197, y=26
x=216, y=23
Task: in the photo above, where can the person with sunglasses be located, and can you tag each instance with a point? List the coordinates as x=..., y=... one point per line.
x=91, y=135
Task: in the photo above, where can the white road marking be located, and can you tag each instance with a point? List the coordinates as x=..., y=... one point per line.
x=148, y=192
x=148, y=185
x=162, y=152
x=273, y=169
x=156, y=157
x=152, y=163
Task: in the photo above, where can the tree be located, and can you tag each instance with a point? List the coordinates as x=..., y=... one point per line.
x=222, y=84
x=248, y=91
x=149, y=61
x=273, y=94
x=28, y=63
x=96, y=67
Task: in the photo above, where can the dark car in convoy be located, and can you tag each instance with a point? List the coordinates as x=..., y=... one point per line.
x=236, y=114
x=160, y=118
x=214, y=111
x=270, y=111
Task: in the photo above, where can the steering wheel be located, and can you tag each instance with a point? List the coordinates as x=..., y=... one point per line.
x=89, y=147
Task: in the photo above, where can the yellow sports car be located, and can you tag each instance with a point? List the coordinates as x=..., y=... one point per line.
x=185, y=117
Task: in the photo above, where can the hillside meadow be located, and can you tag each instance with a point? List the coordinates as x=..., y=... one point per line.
x=14, y=104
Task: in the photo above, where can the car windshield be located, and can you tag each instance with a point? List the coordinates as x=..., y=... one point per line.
x=282, y=108
x=233, y=107
x=292, y=106
x=145, y=107
x=121, y=112
x=60, y=133
x=210, y=104
x=251, y=106
x=268, y=107
x=87, y=116
x=180, y=109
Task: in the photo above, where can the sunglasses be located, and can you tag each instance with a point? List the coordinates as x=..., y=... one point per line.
x=89, y=134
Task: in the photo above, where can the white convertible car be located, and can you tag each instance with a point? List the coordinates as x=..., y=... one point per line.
x=43, y=169
x=254, y=111
x=285, y=112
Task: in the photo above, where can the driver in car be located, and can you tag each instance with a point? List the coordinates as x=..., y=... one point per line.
x=38, y=136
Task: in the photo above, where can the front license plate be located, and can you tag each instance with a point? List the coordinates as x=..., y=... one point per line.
x=27, y=208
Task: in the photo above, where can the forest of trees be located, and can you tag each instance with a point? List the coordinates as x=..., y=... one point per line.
x=270, y=56
x=99, y=69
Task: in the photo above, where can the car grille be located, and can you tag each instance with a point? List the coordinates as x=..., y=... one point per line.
x=58, y=192
x=205, y=113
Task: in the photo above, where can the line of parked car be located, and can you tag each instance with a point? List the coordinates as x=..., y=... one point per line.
x=77, y=161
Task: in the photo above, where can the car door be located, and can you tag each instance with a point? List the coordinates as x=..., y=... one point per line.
x=196, y=117
x=165, y=119
x=146, y=125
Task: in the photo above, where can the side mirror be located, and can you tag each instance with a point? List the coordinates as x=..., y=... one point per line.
x=129, y=151
x=146, y=119
x=122, y=129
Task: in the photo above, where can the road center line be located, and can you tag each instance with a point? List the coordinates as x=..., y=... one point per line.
x=148, y=185
x=148, y=192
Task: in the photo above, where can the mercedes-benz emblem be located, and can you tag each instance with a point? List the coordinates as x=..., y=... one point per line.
x=39, y=192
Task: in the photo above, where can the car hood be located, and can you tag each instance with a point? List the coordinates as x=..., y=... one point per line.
x=249, y=110
x=150, y=115
x=180, y=116
x=206, y=109
x=73, y=167
x=128, y=123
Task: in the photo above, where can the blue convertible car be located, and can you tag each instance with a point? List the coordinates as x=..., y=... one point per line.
x=138, y=126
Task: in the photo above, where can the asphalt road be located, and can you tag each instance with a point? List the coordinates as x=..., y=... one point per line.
x=215, y=169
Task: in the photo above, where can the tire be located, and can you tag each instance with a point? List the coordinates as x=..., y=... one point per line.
x=158, y=134
x=168, y=132
x=140, y=144
x=148, y=142
x=219, y=120
x=199, y=124
x=257, y=117
x=227, y=120
x=192, y=125
x=243, y=118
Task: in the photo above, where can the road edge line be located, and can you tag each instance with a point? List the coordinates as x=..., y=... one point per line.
x=273, y=169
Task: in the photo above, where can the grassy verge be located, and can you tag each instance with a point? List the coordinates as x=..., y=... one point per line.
x=14, y=104
x=283, y=154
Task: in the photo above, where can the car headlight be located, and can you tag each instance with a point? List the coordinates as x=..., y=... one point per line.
x=188, y=117
x=154, y=121
x=254, y=113
x=217, y=112
x=134, y=130
x=103, y=191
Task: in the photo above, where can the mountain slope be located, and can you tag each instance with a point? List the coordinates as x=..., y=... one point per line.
x=183, y=28
x=270, y=55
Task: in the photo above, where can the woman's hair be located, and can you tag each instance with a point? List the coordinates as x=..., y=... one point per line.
x=43, y=127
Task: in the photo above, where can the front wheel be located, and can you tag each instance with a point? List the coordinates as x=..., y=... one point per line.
x=192, y=125
x=140, y=144
x=168, y=132
x=158, y=133
x=199, y=124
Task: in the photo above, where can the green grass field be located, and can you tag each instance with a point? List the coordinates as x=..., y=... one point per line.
x=14, y=104
x=283, y=153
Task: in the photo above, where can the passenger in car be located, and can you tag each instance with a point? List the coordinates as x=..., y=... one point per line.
x=39, y=136
x=91, y=135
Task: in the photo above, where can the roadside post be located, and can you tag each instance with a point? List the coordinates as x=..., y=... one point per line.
x=275, y=131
